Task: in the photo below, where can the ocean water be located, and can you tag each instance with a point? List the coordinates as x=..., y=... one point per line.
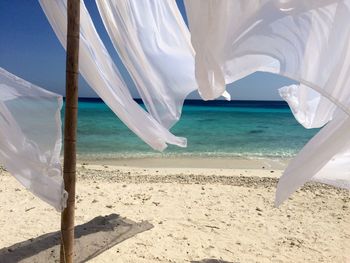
x=215, y=129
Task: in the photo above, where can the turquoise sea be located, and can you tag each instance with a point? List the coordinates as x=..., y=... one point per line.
x=215, y=129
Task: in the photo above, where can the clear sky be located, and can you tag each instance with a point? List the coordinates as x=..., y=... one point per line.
x=30, y=50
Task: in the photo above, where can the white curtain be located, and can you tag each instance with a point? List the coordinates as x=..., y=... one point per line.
x=99, y=70
x=307, y=41
x=30, y=137
x=325, y=159
x=154, y=45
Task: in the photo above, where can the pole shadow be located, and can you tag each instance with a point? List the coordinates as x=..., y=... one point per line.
x=91, y=239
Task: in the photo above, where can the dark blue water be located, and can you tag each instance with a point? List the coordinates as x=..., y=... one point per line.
x=237, y=129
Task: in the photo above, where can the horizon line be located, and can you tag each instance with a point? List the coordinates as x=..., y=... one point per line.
x=199, y=102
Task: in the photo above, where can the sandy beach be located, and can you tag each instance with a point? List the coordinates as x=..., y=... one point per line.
x=174, y=121
x=197, y=213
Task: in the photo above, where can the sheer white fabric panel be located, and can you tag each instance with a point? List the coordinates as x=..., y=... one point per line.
x=99, y=70
x=306, y=41
x=308, y=106
x=154, y=44
x=325, y=159
x=30, y=138
x=303, y=40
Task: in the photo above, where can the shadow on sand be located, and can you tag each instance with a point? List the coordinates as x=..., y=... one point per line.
x=91, y=239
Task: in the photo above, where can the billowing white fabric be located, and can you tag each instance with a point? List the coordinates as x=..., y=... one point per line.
x=325, y=159
x=306, y=41
x=30, y=137
x=154, y=45
x=99, y=70
x=331, y=146
x=308, y=106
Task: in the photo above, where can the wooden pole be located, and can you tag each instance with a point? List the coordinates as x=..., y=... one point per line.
x=70, y=129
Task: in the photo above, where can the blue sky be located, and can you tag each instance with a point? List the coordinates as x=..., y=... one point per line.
x=30, y=50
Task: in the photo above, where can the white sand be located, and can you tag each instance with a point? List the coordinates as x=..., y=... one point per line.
x=197, y=214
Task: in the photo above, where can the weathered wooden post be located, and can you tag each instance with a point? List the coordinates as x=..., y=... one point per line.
x=70, y=129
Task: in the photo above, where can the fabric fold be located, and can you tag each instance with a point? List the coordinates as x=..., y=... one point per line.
x=31, y=139
x=154, y=45
x=322, y=160
x=306, y=42
x=308, y=106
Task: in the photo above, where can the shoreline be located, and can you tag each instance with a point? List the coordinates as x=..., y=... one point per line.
x=192, y=162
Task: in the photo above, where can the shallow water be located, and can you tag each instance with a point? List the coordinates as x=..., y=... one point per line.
x=236, y=129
